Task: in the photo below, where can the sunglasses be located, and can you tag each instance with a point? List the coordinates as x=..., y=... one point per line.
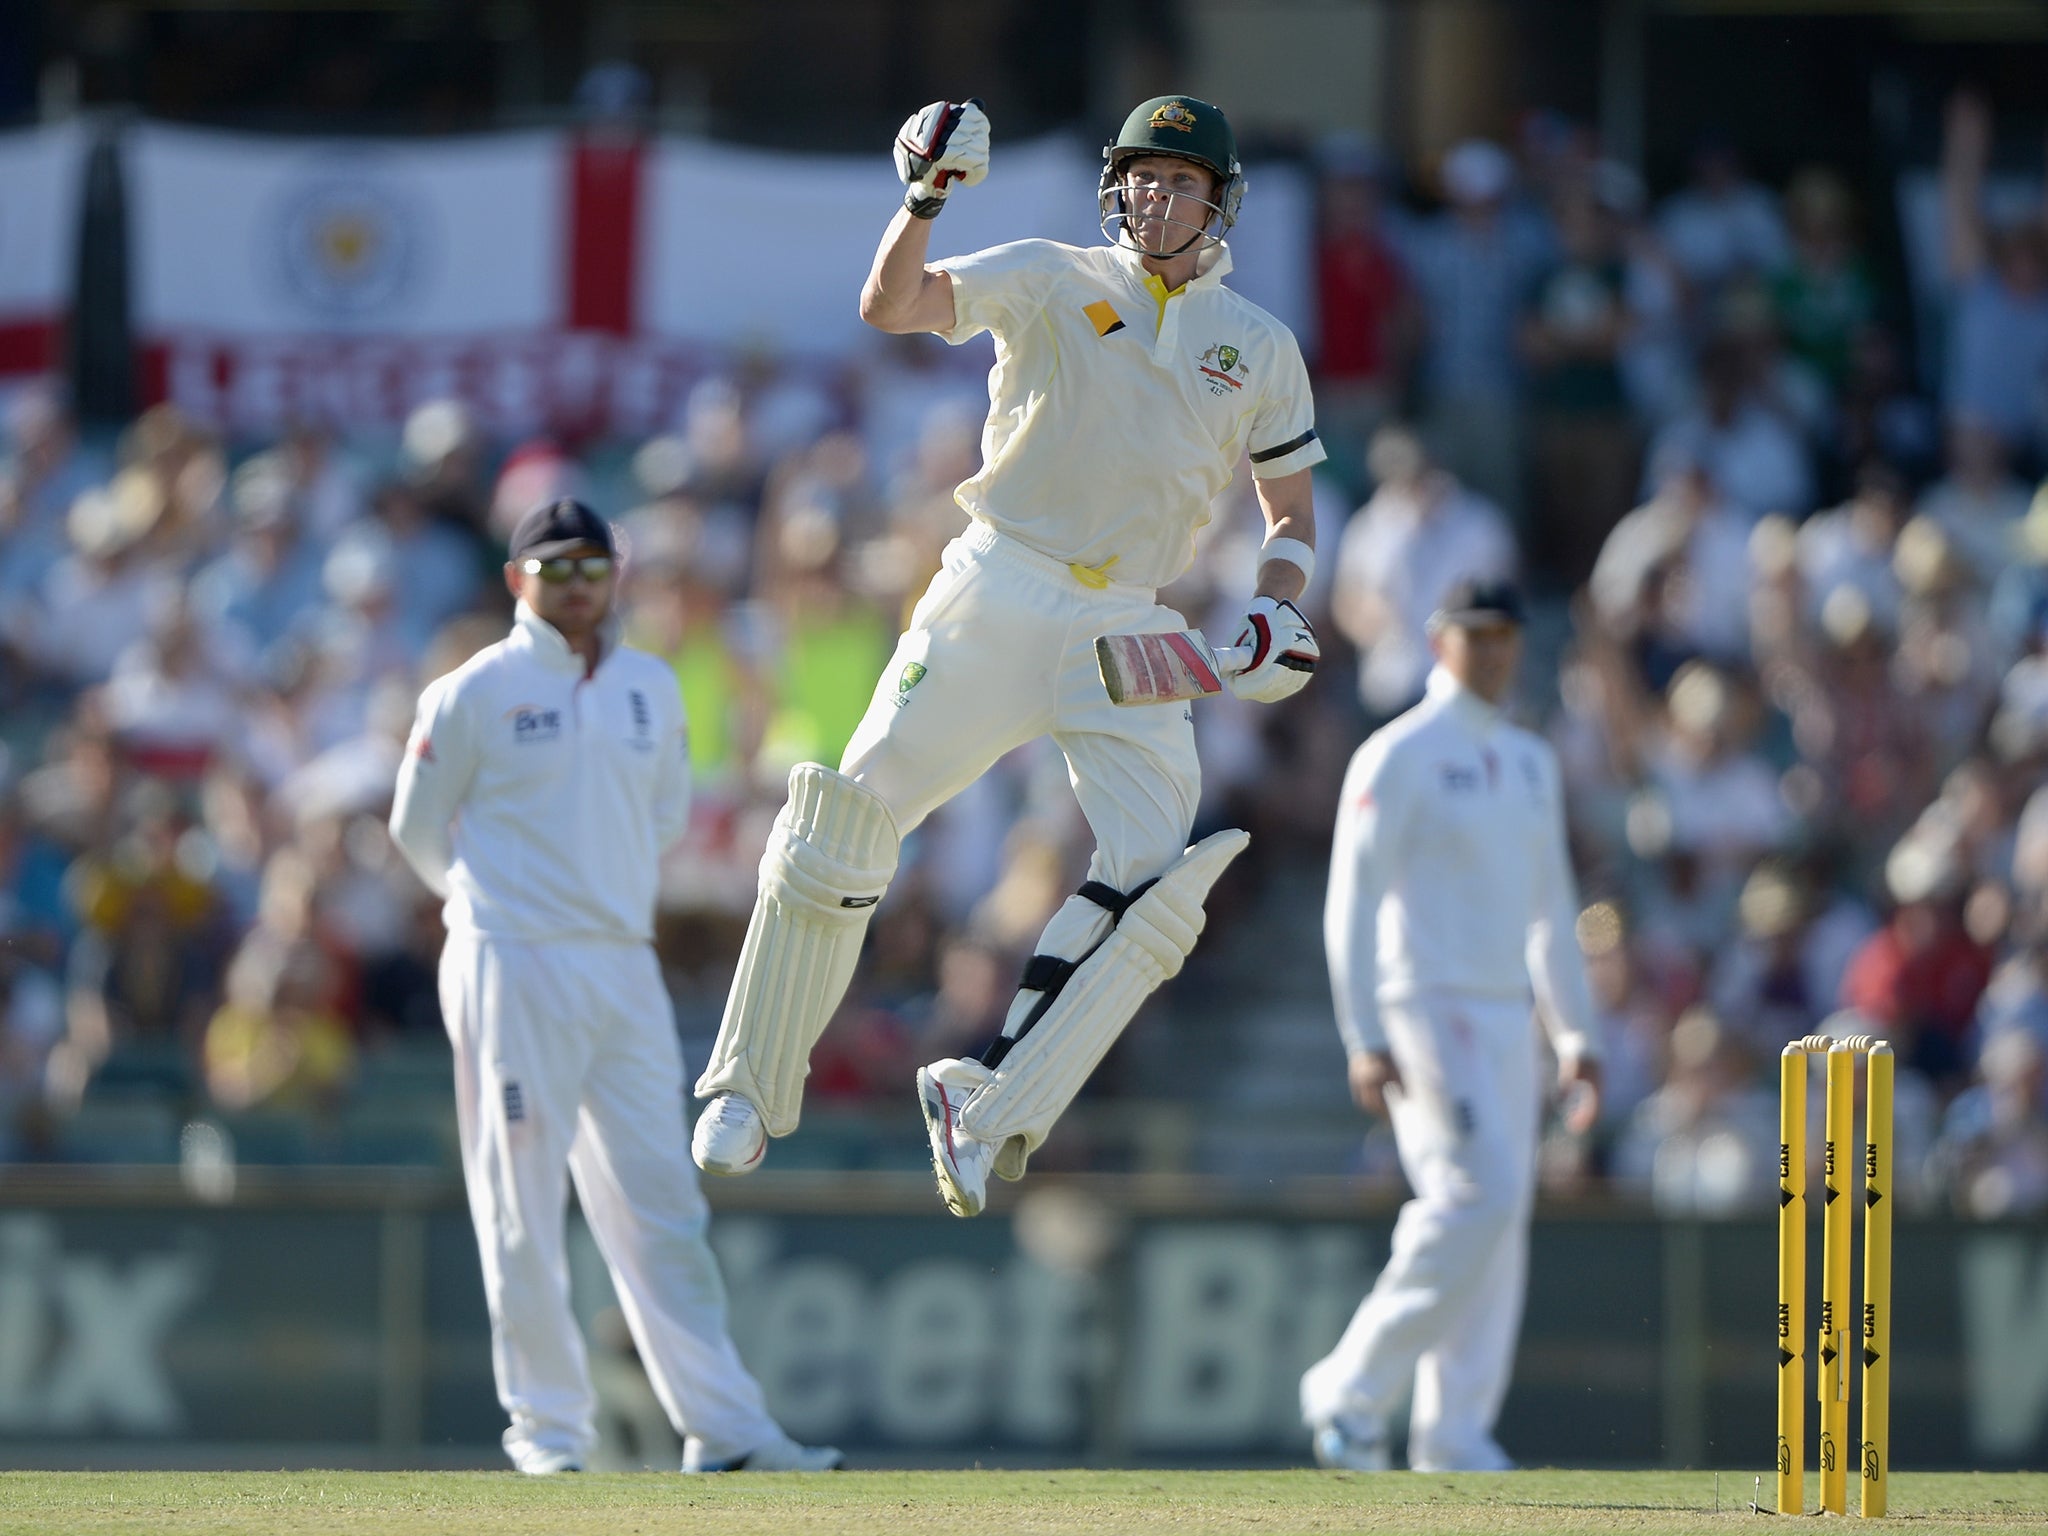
x=592, y=568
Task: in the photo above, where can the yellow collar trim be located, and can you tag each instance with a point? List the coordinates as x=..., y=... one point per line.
x=1156, y=286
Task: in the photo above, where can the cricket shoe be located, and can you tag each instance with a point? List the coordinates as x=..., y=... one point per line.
x=729, y=1137
x=961, y=1162
x=538, y=1463
x=1485, y=1456
x=781, y=1454
x=1352, y=1444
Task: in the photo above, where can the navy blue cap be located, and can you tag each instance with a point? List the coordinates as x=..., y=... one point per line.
x=1474, y=602
x=556, y=527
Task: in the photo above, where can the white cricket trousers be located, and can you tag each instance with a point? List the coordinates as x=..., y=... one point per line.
x=567, y=1065
x=1447, y=1308
x=1000, y=651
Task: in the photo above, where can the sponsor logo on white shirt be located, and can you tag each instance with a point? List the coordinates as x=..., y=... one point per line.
x=531, y=724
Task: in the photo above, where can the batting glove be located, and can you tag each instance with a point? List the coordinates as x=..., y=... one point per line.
x=1284, y=652
x=945, y=142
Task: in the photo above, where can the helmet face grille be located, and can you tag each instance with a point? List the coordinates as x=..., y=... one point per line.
x=1186, y=128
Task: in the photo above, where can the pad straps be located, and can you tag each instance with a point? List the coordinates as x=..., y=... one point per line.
x=1048, y=974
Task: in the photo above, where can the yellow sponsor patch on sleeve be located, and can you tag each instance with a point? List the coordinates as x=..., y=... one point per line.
x=1103, y=317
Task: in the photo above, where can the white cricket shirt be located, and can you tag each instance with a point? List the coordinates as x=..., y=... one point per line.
x=1117, y=413
x=537, y=797
x=1449, y=874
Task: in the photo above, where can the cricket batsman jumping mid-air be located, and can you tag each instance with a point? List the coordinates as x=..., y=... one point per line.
x=1128, y=383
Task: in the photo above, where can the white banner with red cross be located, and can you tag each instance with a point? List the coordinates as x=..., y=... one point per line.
x=552, y=281
x=42, y=173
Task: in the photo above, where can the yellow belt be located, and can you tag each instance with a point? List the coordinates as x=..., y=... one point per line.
x=1096, y=576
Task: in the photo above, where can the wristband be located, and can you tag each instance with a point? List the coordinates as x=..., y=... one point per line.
x=922, y=207
x=1294, y=553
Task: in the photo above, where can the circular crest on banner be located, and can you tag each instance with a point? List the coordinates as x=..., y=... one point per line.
x=351, y=246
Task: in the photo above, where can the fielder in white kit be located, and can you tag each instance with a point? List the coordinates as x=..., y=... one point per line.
x=543, y=779
x=1450, y=893
x=1128, y=383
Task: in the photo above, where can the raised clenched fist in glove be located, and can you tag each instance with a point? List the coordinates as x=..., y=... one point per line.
x=940, y=144
x=1284, y=652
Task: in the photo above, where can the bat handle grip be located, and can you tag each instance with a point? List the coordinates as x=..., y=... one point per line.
x=1233, y=659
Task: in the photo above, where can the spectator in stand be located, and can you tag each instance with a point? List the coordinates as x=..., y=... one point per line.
x=2017, y=997
x=1704, y=1144
x=1997, y=370
x=31, y=1028
x=145, y=961
x=1971, y=816
x=1633, y=1021
x=1420, y=534
x=1600, y=731
x=435, y=567
x=355, y=643
x=1673, y=578
x=904, y=384
x=1656, y=355
x=2030, y=854
x=1721, y=226
x=280, y=1040
x=921, y=516
x=1720, y=795
x=1946, y=667
x=1783, y=975
x=1472, y=266
x=1364, y=304
x=1851, y=546
x=2019, y=595
x=190, y=471
x=249, y=598
x=44, y=460
x=1575, y=326
x=1823, y=293
x=321, y=481
x=172, y=715
x=1774, y=376
x=723, y=470
x=1979, y=503
x=97, y=601
x=1918, y=979
x=831, y=643
x=1992, y=1158
x=1747, y=441
x=42, y=474
x=1878, y=415
x=788, y=405
x=1869, y=764
x=442, y=454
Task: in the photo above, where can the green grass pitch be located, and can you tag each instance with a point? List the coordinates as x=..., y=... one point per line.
x=1030, y=1503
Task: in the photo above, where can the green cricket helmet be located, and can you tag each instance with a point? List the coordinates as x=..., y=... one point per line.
x=1188, y=129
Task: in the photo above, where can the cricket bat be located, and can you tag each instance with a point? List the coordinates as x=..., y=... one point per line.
x=1165, y=667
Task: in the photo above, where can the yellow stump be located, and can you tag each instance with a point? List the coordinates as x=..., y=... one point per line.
x=1792, y=1280
x=1877, y=1280
x=1832, y=1375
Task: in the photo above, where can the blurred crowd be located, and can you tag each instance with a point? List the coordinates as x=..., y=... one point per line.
x=1800, y=683
x=1790, y=558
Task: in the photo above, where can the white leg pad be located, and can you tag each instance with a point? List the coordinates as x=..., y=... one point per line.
x=829, y=859
x=1039, y=1077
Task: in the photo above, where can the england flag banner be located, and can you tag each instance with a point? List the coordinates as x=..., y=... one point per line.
x=569, y=283
x=41, y=173
x=344, y=281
